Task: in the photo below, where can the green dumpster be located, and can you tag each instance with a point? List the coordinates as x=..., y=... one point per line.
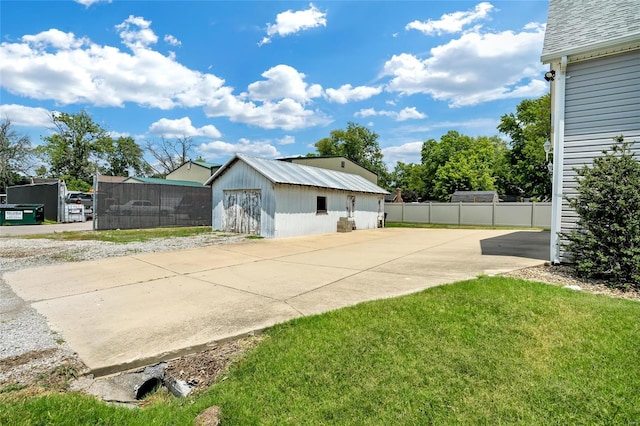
x=21, y=214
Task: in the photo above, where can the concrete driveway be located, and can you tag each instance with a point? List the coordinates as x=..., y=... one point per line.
x=121, y=313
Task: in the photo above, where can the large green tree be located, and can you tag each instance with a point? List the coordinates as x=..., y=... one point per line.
x=123, y=156
x=79, y=148
x=409, y=177
x=75, y=146
x=15, y=156
x=358, y=144
x=528, y=129
x=471, y=169
x=461, y=162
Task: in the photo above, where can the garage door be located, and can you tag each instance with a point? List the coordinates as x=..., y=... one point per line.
x=242, y=210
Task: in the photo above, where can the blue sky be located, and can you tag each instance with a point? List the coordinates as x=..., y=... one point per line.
x=267, y=78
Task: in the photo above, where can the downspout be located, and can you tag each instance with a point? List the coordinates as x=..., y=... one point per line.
x=558, y=158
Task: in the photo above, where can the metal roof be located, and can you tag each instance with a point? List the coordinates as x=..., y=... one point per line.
x=205, y=164
x=161, y=181
x=282, y=172
x=583, y=25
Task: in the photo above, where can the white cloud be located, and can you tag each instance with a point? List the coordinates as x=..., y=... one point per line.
x=67, y=69
x=101, y=75
x=286, y=140
x=408, y=113
x=54, y=38
x=347, y=93
x=368, y=112
x=116, y=135
x=285, y=114
x=474, y=68
x=290, y=22
x=182, y=127
x=88, y=3
x=24, y=116
x=452, y=22
x=407, y=153
x=473, y=127
x=219, y=149
x=169, y=39
x=136, y=33
x=283, y=81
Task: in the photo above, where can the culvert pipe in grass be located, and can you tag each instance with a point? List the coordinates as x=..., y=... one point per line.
x=148, y=387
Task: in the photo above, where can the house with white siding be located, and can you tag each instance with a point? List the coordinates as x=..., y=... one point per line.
x=280, y=199
x=593, y=51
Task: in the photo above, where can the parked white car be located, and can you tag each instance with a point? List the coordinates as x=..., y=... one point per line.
x=140, y=208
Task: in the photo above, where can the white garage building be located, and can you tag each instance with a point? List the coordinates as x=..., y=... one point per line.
x=279, y=199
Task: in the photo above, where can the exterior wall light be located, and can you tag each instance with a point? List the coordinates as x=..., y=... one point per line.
x=547, y=150
x=550, y=75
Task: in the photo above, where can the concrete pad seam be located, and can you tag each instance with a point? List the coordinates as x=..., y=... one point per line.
x=102, y=289
x=324, y=285
x=234, y=288
x=187, y=273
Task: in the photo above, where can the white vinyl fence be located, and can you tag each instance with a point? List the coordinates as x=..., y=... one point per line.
x=534, y=215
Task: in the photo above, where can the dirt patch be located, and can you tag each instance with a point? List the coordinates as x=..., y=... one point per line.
x=200, y=370
x=25, y=358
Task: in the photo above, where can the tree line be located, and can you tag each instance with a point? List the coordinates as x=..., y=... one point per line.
x=458, y=162
x=78, y=148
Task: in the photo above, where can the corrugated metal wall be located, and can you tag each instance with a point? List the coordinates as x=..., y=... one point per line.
x=239, y=177
x=602, y=101
x=296, y=210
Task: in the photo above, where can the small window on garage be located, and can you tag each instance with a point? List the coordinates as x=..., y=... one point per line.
x=321, y=205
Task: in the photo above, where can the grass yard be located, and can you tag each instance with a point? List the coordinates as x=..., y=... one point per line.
x=123, y=235
x=484, y=351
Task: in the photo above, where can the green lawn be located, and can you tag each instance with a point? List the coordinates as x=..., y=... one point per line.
x=486, y=351
x=124, y=235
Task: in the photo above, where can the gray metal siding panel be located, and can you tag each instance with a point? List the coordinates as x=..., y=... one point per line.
x=603, y=95
x=580, y=150
x=602, y=102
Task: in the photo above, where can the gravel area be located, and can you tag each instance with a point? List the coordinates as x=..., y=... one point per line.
x=30, y=353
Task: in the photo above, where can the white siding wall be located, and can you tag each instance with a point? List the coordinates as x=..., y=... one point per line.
x=602, y=101
x=296, y=210
x=241, y=176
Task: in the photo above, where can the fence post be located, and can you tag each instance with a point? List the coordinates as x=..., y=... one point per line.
x=429, y=216
x=493, y=214
x=95, y=202
x=459, y=212
x=532, y=213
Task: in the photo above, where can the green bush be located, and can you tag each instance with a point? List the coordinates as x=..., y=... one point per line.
x=606, y=242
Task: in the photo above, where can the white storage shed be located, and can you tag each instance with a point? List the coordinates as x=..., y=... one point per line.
x=277, y=199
